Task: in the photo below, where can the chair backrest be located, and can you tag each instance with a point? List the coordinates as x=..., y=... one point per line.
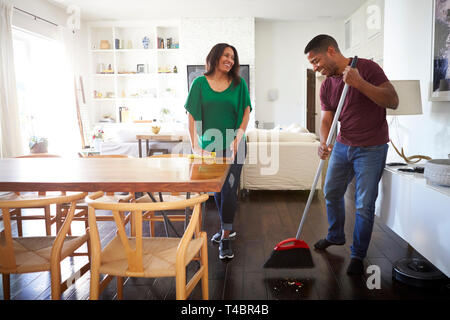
x=134, y=253
x=168, y=155
x=11, y=201
x=40, y=155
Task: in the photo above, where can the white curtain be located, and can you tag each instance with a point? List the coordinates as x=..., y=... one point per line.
x=10, y=134
x=64, y=104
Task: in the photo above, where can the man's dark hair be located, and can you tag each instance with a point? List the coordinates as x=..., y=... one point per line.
x=321, y=43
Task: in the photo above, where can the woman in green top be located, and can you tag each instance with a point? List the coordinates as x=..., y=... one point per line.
x=219, y=109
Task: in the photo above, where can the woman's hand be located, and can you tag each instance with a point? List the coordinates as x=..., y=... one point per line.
x=235, y=144
x=234, y=147
x=200, y=152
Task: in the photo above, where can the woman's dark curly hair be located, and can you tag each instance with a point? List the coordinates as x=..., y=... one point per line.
x=213, y=59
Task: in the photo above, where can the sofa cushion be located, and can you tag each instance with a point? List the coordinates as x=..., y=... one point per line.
x=295, y=127
x=297, y=137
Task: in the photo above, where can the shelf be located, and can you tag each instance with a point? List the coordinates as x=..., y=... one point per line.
x=102, y=51
x=135, y=50
x=168, y=50
x=150, y=74
x=136, y=99
x=122, y=85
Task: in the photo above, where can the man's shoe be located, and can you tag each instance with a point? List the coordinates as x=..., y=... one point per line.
x=355, y=268
x=324, y=243
x=225, y=251
x=216, y=238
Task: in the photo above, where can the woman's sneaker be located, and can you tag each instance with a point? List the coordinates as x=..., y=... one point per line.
x=225, y=251
x=218, y=236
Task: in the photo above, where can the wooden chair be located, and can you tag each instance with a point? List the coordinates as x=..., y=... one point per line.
x=37, y=254
x=48, y=218
x=100, y=156
x=148, y=257
x=153, y=217
x=40, y=155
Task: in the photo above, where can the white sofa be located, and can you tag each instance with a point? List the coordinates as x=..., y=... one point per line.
x=283, y=159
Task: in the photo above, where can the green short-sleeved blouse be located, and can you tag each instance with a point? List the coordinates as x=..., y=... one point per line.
x=217, y=111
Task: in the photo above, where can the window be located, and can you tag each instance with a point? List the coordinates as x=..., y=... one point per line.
x=44, y=91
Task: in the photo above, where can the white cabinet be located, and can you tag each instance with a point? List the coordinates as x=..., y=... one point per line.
x=136, y=71
x=418, y=212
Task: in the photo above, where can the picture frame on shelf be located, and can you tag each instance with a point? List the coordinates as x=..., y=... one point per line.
x=140, y=68
x=440, y=68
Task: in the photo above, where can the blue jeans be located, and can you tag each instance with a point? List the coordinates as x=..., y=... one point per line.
x=366, y=164
x=226, y=199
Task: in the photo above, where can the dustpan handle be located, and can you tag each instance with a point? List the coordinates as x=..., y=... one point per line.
x=330, y=139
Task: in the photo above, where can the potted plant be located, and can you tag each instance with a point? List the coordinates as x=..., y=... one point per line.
x=165, y=114
x=97, y=138
x=38, y=144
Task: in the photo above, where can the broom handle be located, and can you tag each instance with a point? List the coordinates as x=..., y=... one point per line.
x=330, y=139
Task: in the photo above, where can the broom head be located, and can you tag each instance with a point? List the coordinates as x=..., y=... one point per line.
x=290, y=253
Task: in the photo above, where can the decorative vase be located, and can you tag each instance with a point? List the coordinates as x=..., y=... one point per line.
x=40, y=147
x=145, y=42
x=105, y=45
x=97, y=144
x=155, y=129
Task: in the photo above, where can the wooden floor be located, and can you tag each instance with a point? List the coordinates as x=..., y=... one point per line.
x=263, y=219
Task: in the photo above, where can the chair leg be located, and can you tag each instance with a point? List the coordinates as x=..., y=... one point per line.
x=55, y=274
x=48, y=223
x=94, y=285
x=19, y=222
x=180, y=281
x=6, y=286
x=152, y=224
x=120, y=288
x=204, y=262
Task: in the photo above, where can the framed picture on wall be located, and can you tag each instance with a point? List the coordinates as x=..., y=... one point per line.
x=440, y=60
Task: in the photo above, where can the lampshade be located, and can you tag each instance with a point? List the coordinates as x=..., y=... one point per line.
x=410, y=100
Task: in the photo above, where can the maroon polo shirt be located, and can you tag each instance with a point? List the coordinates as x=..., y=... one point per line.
x=363, y=122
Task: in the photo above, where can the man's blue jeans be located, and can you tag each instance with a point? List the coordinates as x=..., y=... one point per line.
x=366, y=164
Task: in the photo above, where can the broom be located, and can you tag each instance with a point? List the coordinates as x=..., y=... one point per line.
x=293, y=252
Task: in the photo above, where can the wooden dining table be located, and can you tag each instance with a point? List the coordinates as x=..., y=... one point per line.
x=172, y=174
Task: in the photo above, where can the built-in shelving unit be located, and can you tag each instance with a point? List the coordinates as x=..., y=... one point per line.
x=136, y=67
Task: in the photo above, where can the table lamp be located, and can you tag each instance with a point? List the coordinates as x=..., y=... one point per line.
x=410, y=103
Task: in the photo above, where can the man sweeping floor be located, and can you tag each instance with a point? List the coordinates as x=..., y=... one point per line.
x=361, y=145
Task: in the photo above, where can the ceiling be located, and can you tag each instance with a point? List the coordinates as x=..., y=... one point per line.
x=296, y=10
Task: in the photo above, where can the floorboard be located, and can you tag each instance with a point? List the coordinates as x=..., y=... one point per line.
x=263, y=219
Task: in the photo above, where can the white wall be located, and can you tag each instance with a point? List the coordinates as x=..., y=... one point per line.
x=407, y=55
x=199, y=35
x=281, y=65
